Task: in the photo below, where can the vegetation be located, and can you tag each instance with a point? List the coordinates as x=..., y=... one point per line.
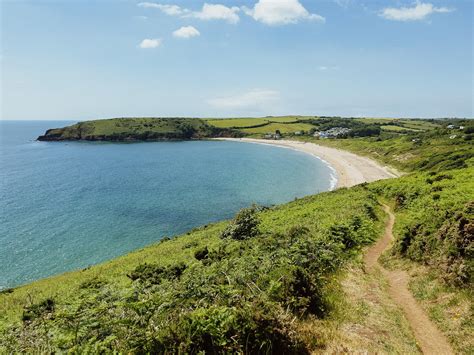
x=259, y=272
x=133, y=129
x=281, y=279
x=426, y=151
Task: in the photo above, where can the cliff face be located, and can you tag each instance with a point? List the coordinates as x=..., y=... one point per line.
x=138, y=129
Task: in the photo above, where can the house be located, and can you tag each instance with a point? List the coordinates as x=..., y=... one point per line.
x=461, y=127
x=334, y=132
x=268, y=136
x=451, y=126
x=298, y=133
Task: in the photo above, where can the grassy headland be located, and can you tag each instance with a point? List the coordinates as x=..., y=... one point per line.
x=282, y=279
x=137, y=129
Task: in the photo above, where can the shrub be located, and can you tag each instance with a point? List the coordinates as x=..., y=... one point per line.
x=94, y=283
x=297, y=231
x=38, y=310
x=244, y=225
x=251, y=328
x=456, y=239
x=153, y=274
x=202, y=253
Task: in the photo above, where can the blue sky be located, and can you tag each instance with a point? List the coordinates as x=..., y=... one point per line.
x=96, y=59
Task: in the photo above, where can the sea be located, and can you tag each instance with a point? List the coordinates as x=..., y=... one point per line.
x=69, y=205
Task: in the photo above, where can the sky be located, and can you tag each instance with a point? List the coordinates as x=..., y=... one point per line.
x=76, y=60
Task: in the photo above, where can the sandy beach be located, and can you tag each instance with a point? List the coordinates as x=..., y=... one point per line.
x=351, y=169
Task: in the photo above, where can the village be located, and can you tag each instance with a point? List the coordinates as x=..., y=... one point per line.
x=336, y=132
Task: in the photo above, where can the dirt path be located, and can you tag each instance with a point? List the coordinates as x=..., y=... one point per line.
x=429, y=338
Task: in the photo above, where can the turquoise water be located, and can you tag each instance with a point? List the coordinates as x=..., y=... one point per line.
x=65, y=206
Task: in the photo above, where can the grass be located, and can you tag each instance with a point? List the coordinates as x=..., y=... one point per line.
x=382, y=121
x=433, y=242
x=394, y=128
x=285, y=278
x=124, y=129
x=410, y=152
x=283, y=128
x=287, y=119
x=424, y=125
x=366, y=319
x=450, y=308
x=237, y=122
x=230, y=285
x=299, y=246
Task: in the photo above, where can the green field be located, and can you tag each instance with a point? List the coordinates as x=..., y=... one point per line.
x=237, y=122
x=393, y=128
x=286, y=119
x=382, y=121
x=420, y=124
x=283, y=128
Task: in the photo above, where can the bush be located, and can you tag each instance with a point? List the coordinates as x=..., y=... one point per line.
x=201, y=254
x=244, y=225
x=456, y=239
x=38, y=310
x=251, y=329
x=153, y=274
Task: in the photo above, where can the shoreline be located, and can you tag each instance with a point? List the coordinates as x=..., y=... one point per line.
x=350, y=169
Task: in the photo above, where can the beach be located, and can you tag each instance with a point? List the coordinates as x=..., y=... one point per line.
x=351, y=169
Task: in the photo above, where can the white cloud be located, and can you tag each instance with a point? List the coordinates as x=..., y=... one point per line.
x=252, y=99
x=186, y=32
x=217, y=12
x=172, y=10
x=208, y=11
x=281, y=12
x=150, y=43
x=326, y=68
x=418, y=12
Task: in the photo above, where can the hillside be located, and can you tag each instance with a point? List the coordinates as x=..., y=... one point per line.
x=136, y=129
x=271, y=279
x=284, y=279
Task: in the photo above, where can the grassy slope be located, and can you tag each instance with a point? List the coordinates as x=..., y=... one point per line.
x=251, y=272
x=135, y=128
x=257, y=275
x=434, y=233
x=282, y=127
x=237, y=122
x=260, y=270
x=430, y=152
